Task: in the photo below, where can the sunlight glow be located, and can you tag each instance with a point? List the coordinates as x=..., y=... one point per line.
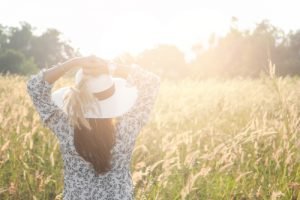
x=109, y=28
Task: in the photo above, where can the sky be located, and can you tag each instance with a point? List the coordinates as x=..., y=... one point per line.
x=112, y=27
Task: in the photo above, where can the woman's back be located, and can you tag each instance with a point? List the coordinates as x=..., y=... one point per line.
x=80, y=179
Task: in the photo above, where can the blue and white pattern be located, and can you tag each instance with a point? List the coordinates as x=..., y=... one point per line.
x=80, y=180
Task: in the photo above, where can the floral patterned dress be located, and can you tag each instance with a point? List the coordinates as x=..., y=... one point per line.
x=80, y=180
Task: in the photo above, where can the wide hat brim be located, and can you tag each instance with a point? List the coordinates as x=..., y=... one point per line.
x=118, y=104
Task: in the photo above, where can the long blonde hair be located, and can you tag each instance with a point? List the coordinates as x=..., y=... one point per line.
x=93, y=138
x=77, y=101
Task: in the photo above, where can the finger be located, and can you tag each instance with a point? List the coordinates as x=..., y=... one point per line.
x=91, y=65
x=95, y=59
x=94, y=63
x=95, y=71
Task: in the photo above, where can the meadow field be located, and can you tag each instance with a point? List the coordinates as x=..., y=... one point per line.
x=207, y=139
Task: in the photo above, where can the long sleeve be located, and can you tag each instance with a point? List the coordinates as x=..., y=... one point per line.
x=51, y=115
x=148, y=85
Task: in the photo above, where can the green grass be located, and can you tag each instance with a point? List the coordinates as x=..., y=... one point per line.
x=212, y=139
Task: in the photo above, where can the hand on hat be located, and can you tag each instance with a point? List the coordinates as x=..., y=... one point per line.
x=92, y=65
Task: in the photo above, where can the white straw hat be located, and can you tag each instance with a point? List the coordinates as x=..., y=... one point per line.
x=115, y=96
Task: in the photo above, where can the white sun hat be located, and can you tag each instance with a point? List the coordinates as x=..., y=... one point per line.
x=115, y=96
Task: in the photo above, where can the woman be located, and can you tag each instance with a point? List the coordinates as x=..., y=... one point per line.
x=96, y=125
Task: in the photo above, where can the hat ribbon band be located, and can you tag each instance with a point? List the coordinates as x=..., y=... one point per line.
x=106, y=93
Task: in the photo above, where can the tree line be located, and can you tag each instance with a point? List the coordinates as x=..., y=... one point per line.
x=244, y=53
x=23, y=52
x=240, y=53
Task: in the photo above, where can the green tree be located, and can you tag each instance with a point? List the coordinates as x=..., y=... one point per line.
x=48, y=49
x=242, y=53
x=19, y=39
x=29, y=50
x=12, y=61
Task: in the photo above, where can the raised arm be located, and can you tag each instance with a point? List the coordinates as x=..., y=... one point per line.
x=52, y=117
x=39, y=88
x=148, y=85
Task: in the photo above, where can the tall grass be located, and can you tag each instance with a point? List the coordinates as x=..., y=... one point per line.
x=235, y=139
